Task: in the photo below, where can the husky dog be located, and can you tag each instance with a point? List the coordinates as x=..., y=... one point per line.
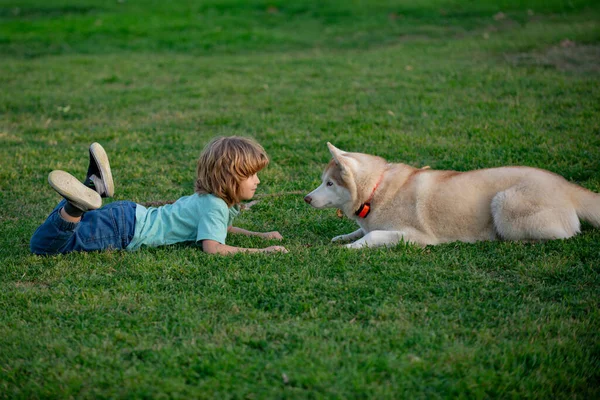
x=397, y=202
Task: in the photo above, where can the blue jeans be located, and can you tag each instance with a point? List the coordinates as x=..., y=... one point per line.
x=109, y=227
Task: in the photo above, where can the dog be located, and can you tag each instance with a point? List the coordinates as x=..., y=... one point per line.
x=393, y=202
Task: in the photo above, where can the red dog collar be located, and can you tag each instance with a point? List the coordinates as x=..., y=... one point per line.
x=365, y=208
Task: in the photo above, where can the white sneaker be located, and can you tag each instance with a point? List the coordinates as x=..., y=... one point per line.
x=74, y=191
x=99, y=176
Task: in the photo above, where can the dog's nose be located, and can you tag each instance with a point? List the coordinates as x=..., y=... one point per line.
x=308, y=199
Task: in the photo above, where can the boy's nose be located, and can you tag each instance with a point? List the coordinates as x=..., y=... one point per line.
x=308, y=199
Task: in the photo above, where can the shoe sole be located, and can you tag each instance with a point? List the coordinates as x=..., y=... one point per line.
x=101, y=159
x=74, y=191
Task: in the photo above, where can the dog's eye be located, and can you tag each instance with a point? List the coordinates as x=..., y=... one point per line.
x=329, y=183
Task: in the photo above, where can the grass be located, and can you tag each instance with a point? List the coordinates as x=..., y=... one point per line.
x=450, y=84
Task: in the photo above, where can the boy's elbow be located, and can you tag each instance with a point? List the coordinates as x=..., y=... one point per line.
x=210, y=246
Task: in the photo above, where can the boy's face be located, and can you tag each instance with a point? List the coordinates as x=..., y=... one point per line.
x=248, y=187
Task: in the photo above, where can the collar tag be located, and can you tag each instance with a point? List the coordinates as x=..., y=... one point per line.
x=363, y=210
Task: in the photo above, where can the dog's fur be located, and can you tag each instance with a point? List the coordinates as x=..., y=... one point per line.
x=427, y=207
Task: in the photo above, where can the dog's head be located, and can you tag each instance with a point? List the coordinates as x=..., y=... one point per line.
x=338, y=188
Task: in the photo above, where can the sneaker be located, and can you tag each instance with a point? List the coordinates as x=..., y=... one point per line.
x=99, y=176
x=74, y=191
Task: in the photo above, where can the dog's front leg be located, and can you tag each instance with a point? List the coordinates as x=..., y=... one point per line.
x=350, y=236
x=389, y=238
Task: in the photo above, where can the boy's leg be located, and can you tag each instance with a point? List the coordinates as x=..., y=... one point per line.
x=99, y=175
x=56, y=235
x=110, y=227
x=53, y=234
x=57, y=231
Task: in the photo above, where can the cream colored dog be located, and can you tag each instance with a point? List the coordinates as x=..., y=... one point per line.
x=394, y=202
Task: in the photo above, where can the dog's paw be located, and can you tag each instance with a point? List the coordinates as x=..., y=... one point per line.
x=340, y=238
x=355, y=245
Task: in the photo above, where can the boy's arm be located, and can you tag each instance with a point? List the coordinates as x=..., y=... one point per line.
x=264, y=235
x=214, y=247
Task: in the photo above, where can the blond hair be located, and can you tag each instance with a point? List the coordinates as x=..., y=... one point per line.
x=224, y=163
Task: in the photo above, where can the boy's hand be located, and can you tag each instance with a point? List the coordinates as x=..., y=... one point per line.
x=272, y=235
x=272, y=249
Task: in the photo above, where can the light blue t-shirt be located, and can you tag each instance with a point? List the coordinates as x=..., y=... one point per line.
x=190, y=219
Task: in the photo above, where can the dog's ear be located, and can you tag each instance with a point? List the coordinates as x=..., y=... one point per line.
x=335, y=153
x=347, y=166
x=345, y=163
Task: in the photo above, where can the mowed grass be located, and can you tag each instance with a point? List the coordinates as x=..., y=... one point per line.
x=449, y=84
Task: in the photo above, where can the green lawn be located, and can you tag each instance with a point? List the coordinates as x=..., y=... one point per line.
x=449, y=84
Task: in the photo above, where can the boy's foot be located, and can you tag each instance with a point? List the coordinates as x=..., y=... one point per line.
x=99, y=176
x=75, y=192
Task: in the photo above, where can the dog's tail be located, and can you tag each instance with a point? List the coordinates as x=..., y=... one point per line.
x=587, y=205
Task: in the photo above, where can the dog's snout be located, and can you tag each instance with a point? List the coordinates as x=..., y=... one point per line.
x=308, y=199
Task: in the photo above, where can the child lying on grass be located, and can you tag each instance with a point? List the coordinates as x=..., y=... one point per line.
x=226, y=174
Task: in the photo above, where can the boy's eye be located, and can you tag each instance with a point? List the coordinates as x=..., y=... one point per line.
x=329, y=183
